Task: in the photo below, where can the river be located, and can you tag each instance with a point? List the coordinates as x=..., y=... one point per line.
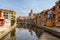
x=25, y=34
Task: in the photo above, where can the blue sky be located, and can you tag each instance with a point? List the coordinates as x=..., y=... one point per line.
x=23, y=7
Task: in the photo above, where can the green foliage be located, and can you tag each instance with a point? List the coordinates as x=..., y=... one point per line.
x=12, y=22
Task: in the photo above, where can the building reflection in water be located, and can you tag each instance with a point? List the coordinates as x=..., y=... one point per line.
x=25, y=34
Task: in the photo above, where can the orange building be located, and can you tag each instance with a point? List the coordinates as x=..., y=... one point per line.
x=38, y=19
x=34, y=20
x=57, y=13
x=49, y=17
x=44, y=17
x=49, y=21
x=20, y=19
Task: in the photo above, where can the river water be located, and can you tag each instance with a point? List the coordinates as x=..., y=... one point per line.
x=25, y=34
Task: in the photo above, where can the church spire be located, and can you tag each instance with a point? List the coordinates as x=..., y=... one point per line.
x=31, y=11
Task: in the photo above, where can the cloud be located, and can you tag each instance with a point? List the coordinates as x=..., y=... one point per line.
x=24, y=6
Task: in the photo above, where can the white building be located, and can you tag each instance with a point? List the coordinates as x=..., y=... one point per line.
x=7, y=18
x=7, y=14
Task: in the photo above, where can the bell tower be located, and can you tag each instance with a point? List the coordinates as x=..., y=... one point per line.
x=31, y=13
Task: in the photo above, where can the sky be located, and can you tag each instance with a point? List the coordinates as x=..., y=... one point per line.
x=23, y=7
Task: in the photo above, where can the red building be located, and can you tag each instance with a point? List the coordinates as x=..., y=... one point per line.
x=1, y=19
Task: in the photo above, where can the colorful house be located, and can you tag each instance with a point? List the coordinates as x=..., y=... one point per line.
x=8, y=16
x=1, y=19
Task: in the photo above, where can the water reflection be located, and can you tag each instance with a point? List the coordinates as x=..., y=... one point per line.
x=25, y=34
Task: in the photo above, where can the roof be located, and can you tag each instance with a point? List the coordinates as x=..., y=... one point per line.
x=38, y=14
x=6, y=10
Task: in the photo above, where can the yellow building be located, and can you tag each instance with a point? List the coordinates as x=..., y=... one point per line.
x=13, y=15
x=9, y=16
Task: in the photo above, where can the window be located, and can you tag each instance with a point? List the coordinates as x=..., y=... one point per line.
x=9, y=15
x=50, y=14
x=53, y=15
x=53, y=8
x=59, y=6
x=59, y=2
x=5, y=15
x=59, y=19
